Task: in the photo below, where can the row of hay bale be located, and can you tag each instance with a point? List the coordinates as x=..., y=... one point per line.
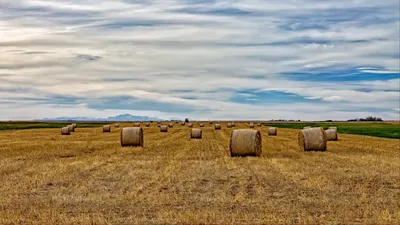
x=68, y=129
x=133, y=136
x=247, y=142
x=164, y=128
x=316, y=138
x=243, y=142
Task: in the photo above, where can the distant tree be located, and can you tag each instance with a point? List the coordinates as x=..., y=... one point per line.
x=369, y=118
x=186, y=120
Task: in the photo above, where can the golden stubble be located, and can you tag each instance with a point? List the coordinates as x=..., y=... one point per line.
x=88, y=178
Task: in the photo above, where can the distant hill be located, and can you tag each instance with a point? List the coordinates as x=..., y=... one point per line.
x=122, y=117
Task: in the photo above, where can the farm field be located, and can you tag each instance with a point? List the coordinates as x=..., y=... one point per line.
x=376, y=129
x=88, y=178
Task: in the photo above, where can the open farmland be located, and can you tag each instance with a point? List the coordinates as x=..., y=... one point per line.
x=88, y=178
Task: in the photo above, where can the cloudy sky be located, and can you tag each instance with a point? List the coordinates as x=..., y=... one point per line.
x=202, y=59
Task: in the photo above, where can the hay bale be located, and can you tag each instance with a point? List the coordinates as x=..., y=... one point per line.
x=163, y=128
x=116, y=125
x=332, y=128
x=259, y=124
x=229, y=125
x=71, y=128
x=217, y=126
x=245, y=142
x=331, y=135
x=307, y=127
x=132, y=136
x=183, y=123
x=251, y=125
x=159, y=125
x=106, y=128
x=147, y=124
x=312, y=139
x=272, y=131
x=201, y=125
x=190, y=125
x=136, y=125
x=65, y=131
x=74, y=125
x=196, y=133
x=171, y=125
x=211, y=122
x=233, y=124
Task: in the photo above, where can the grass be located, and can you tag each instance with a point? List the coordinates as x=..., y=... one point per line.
x=376, y=129
x=88, y=178
x=41, y=125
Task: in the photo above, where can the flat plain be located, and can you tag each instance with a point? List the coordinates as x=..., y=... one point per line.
x=88, y=178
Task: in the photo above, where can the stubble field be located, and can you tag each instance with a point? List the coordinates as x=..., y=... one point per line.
x=88, y=178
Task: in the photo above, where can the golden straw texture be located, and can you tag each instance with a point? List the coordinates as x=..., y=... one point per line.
x=331, y=135
x=65, y=131
x=272, y=131
x=106, y=128
x=163, y=128
x=312, y=139
x=132, y=136
x=196, y=133
x=245, y=142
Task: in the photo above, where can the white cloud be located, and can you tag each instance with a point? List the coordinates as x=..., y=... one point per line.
x=211, y=55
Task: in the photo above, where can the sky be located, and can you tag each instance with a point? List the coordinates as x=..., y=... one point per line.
x=205, y=59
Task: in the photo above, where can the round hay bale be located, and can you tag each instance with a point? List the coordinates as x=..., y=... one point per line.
x=196, y=133
x=190, y=125
x=259, y=124
x=233, y=124
x=163, y=128
x=331, y=135
x=183, y=123
x=65, y=131
x=272, y=131
x=217, y=126
x=74, y=125
x=229, y=125
x=132, y=136
x=307, y=127
x=211, y=122
x=312, y=139
x=147, y=124
x=71, y=128
x=171, y=125
x=332, y=128
x=201, y=125
x=136, y=125
x=116, y=125
x=159, y=125
x=251, y=125
x=245, y=142
x=106, y=128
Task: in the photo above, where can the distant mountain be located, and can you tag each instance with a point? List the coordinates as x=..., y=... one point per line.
x=122, y=117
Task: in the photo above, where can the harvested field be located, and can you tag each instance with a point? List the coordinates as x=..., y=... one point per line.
x=88, y=178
